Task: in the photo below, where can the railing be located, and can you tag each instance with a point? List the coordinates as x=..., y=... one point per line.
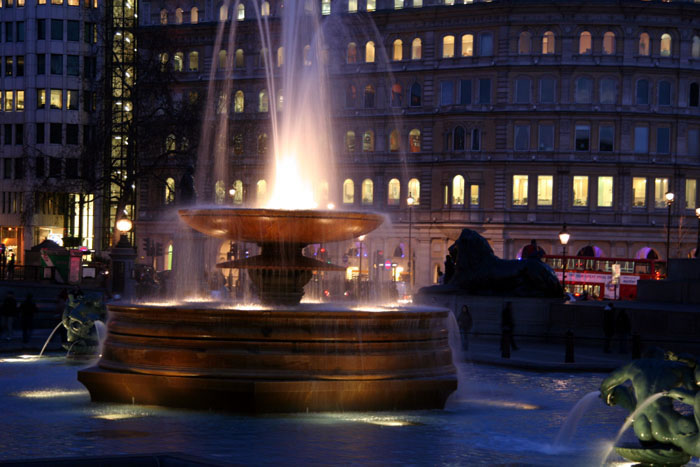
x=28, y=273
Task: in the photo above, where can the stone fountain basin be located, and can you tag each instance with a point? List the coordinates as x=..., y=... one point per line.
x=309, y=358
x=280, y=226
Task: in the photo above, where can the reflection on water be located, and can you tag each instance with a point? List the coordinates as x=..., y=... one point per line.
x=503, y=416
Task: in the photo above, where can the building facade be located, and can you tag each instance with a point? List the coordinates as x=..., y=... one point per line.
x=511, y=118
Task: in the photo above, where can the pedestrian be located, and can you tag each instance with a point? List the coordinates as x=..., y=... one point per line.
x=507, y=327
x=623, y=327
x=449, y=269
x=11, y=267
x=465, y=325
x=8, y=310
x=27, y=311
x=608, y=326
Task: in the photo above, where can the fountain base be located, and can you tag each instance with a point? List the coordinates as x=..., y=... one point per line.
x=310, y=358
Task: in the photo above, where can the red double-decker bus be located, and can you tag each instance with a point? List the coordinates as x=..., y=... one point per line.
x=595, y=275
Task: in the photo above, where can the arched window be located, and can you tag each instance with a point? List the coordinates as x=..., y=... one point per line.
x=414, y=190
x=307, y=55
x=169, y=258
x=394, y=192
x=371, y=5
x=350, y=96
x=194, y=61
x=369, y=52
x=458, y=190
x=350, y=141
x=262, y=144
x=414, y=140
x=695, y=51
x=263, y=101
x=178, y=16
x=352, y=6
x=609, y=43
x=415, y=95
x=265, y=11
x=665, y=49
x=584, y=91
x=240, y=12
x=476, y=140
x=280, y=56
x=238, y=192
x=194, y=15
x=169, y=190
x=367, y=191
x=396, y=95
x=223, y=13
x=238, y=145
x=348, y=191
x=458, y=139
x=397, y=54
x=394, y=141
x=467, y=45
x=448, y=46
x=239, y=102
x=664, y=93
x=369, y=97
x=694, y=95
x=352, y=53
x=178, y=61
x=548, y=43
x=325, y=7
x=416, y=49
x=163, y=16
x=261, y=191
x=240, y=59
x=585, y=43
x=222, y=59
x=170, y=143
x=644, y=46
x=524, y=43
x=219, y=192
x=368, y=141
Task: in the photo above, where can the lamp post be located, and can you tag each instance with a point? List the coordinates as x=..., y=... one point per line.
x=564, y=239
x=232, y=194
x=409, y=201
x=697, y=247
x=669, y=202
x=361, y=238
x=123, y=255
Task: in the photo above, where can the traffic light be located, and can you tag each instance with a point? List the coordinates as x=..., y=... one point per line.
x=380, y=257
x=159, y=249
x=147, y=246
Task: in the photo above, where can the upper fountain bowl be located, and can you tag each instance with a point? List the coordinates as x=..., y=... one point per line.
x=280, y=226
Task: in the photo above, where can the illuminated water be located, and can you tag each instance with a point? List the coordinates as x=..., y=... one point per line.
x=500, y=416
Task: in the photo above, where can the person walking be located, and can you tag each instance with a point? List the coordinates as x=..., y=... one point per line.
x=8, y=310
x=11, y=267
x=608, y=326
x=465, y=325
x=507, y=328
x=27, y=311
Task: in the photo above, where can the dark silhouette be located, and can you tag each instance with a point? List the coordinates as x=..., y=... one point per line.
x=188, y=194
x=8, y=311
x=449, y=269
x=533, y=251
x=623, y=327
x=11, y=267
x=608, y=326
x=507, y=328
x=27, y=311
x=465, y=325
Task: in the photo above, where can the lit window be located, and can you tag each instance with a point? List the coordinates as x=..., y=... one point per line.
x=396, y=95
x=416, y=49
x=367, y=191
x=524, y=43
x=605, y=192
x=582, y=137
x=178, y=16
x=458, y=190
x=348, y=192
x=223, y=12
x=580, y=187
x=474, y=195
x=609, y=43
x=639, y=192
x=238, y=193
x=238, y=145
x=545, y=185
x=20, y=100
x=56, y=101
x=584, y=43
x=397, y=54
x=641, y=140
x=40, y=98
x=644, y=48
x=240, y=12
x=467, y=45
x=352, y=6
x=398, y=4
x=9, y=101
x=280, y=56
x=519, y=190
x=368, y=141
x=371, y=5
x=414, y=190
x=448, y=46
x=325, y=7
x=352, y=53
x=163, y=16
x=660, y=190
x=665, y=49
x=417, y=3
x=350, y=141
x=394, y=141
x=691, y=192
x=414, y=140
x=394, y=195
x=262, y=144
x=261, y=191
x=548, y=43
x=169, y=190
x=263, y=101
x=265, y=11
x=194, y=61
x=170, y=143
x=369, y=52
x=194, y=15
x=222, y=59
x=239, y=102
x=178, y=61
x=239, y=62
x=219, y=192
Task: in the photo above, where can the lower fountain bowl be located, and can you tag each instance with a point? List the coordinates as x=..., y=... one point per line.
x=309, y=358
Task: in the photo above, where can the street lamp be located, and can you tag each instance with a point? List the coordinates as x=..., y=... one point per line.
x=564, y=236
x=232, y=193
x=361, y=238
x=410, y=201
x=697, y=247
x=124, y=225
x=669, y=202
x=123, y=255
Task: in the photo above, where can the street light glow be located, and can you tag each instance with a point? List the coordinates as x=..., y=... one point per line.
x=670, y=197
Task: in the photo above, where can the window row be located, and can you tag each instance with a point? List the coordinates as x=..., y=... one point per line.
x=13, y=65
x=70, y=30
x=584, y=187
x=368, y=141
x=12, y=31
x=12, y=101
x=54, y=167
x=69, y=64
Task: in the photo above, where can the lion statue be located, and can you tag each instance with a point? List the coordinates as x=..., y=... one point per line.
x=80, y=316
x=478, y=271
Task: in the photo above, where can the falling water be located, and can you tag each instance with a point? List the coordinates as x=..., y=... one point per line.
x=49, y=338
x=458, y=356
x=569, y=427
x=628, y=422
x=101, y=330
